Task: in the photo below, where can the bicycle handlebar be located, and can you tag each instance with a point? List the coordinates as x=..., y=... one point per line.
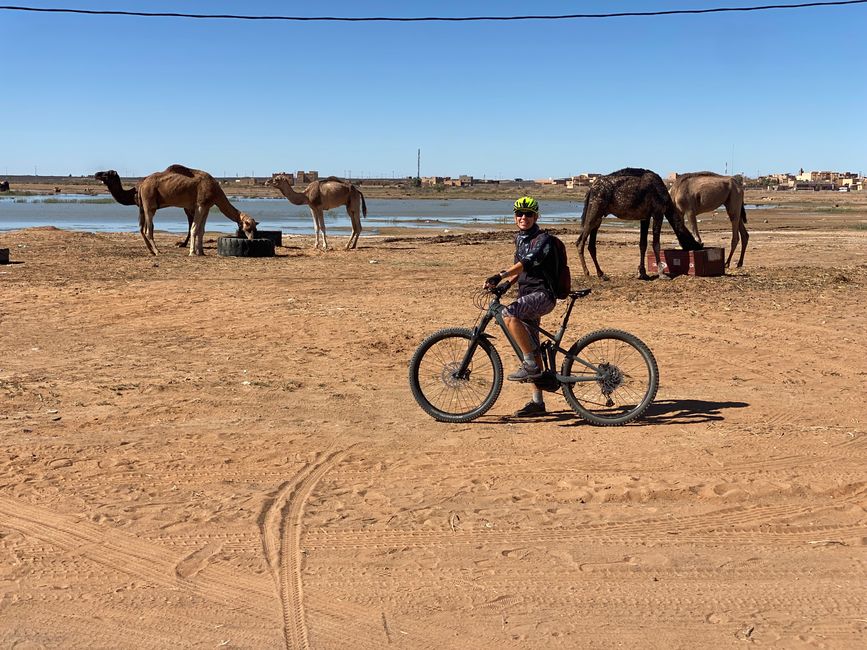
x=501, y=289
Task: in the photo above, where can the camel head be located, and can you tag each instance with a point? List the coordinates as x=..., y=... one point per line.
x=278, y=180
x=247, y=226
x=106, y=176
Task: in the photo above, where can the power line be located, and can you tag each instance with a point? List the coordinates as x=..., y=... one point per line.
x=418, y=19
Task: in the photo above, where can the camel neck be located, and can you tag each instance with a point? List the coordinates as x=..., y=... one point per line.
x=121, y=195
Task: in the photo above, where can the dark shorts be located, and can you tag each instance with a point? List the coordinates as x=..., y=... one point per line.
x=530, y=309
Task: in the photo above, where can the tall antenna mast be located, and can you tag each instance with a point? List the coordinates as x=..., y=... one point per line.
x=418, y=165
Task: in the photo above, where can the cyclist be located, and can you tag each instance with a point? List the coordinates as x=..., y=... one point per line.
x=533, y=253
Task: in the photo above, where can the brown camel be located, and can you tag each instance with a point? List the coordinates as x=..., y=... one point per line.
x=130, y=197
x=323, y=195
x=699, y=192
x=634, y=195
x=181, y=187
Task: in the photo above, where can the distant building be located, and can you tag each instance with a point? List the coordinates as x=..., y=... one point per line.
x=581, y=180
x=460, y=181
x=306, y=177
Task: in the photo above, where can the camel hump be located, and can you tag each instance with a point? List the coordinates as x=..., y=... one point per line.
x=180, y=169
x=331, y=179
x=683, y=177
x=630, y=171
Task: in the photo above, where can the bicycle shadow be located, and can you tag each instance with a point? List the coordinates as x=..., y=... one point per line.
x=672, y=411
x=676, y=411
x=687, y=411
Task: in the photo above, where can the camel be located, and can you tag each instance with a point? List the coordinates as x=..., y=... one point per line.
x=4, y=186
x=130, y=197
x=635, y=195
x=181, y=187
x=323, y=195
x=699, y=192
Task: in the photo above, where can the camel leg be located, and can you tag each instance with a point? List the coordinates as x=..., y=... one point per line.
x=146, y=228
x=197, y=232
x=693, y=225
x=580, y=244
x=320, y=215
x=182, y=243
x=319, y=227
x=642, y=248
x=353, y=211
x=657, y=230
x=739, y=232
x=745, y=237
x=315, y=226
x=356, y=229
x=591, y=246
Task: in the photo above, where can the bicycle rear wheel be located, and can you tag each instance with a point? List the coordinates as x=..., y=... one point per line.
x=437, y=389
x=622, y=383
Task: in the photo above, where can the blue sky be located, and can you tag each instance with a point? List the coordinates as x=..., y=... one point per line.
x=755, y=92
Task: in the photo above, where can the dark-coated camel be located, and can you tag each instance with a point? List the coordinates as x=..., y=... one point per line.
x=635, y=195
x=323, y=195
x=180, y=187
x=699, y=192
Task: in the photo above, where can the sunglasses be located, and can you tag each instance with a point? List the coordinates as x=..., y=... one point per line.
x=525, y=214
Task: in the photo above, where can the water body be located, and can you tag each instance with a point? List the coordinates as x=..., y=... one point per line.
x=101, y=214
x=90, y=213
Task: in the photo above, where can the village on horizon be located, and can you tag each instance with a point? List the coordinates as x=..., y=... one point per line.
x=802, y=181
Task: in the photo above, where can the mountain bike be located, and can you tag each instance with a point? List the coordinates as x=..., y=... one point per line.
x=609, y=377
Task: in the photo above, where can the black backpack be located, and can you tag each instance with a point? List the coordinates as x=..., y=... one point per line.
x=561, y=278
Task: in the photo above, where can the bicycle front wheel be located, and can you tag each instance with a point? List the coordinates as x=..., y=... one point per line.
x=439, y=390
x=619, y=382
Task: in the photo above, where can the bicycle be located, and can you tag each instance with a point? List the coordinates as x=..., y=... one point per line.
x=609, y=377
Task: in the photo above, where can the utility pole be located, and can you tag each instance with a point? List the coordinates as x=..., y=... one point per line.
x=418, y=164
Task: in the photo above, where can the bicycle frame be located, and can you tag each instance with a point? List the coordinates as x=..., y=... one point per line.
x=548, y=349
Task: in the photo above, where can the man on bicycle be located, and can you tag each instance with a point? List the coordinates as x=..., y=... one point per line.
x=533, y=254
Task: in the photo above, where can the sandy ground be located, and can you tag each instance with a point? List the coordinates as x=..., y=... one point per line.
x=224, y=452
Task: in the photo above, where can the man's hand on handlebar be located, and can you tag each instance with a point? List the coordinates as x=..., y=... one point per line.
x=493, y=281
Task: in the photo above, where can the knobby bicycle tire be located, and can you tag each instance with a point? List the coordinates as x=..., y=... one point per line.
x=626, y=385
x=438, y=392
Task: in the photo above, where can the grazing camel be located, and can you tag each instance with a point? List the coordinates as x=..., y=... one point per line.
x=634, y=195
x=699, y=192
x=181, y=187
x=323, y=195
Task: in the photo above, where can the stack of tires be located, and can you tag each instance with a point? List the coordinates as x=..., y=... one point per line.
x=239, y=246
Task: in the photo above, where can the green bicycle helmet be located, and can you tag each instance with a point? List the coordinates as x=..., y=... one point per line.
x=527, y=204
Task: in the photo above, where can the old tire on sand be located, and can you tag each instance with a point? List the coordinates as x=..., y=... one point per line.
x=275, y=236
x=243, y=247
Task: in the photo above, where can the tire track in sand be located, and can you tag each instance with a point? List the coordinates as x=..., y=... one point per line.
x=219, y=585
x=281, y=525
